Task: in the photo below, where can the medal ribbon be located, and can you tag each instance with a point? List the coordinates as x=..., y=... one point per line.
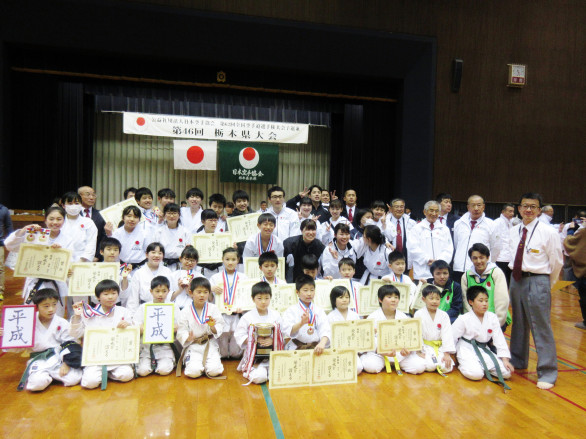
x=122, y=267
x=264, y=279
x=259, y=245
x=204, y=314
x=312, y=316
x=89, y=312
x=229, y=291
x=355, y=295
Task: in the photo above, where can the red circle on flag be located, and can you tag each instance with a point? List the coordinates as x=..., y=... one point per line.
x=195, y=154
x=140, y=121
x=249, y=153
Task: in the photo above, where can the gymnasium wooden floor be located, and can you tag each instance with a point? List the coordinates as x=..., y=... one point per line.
x=425, y=406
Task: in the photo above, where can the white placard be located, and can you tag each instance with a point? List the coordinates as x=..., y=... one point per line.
x=18, y=323
x=159, y=323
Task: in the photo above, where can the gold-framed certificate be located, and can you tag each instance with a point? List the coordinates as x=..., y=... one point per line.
x=35, y=260
x=113, y=214
x=86, y=275
x=110, y=346
x=211, y=245
x=252, y=270
x=283, y=297
x=353, y=334
x=288, y=369
x=399, y=334
x=159, y=323
x=243, y=227
x=323, y=288
x=242, y=297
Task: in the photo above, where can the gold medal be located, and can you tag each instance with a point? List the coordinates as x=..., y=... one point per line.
x=310, y=330
x=228, y=308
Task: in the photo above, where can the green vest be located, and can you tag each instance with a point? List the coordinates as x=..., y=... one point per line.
x=446, y=300
x=489, y=286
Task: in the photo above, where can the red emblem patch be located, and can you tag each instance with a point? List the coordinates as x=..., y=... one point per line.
x=439, y=326
x=180, y=240
x=378, y=263
x=82, y=226
x=58, y=328
x=490, y=331
x=137, y=242
x=488, y=284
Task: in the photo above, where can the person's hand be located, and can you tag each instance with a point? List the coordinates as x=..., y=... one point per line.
x=304, y=192
x=190, y=338
x=217, y=289
x=389, y=246
x=315, y=217
x=333, y=196
x=423, y=281
x=305, y=318
x=108, y=228
x=328, y=278
x=126, y=271
x=298, y=213
x=265, y=341
x=70, y=272
x=64, y=370
x=319, y=349
x=333, y=252
x=388, y=207
x=431, y=261
x=447, y=360
x=508, y=365
x=404, y=352
x=211, y=322
x=122, y=324
x=238, y=310
x=55, y=245
x=78, y=308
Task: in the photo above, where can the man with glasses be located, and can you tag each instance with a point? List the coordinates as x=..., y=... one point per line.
x=287, y=220
x=88, y=201
x=399, y=228
x=537, y=259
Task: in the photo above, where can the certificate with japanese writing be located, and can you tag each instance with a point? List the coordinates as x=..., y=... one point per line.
x=86, y=275
x=252, y=270
x=418, y=303
x=323, y=288
x=243, y=227
x=110, y=346
x=18, y=322
x=368, y=301
x=113, y=214
x=242, y=297
x=334, y=366
x=283, y=297
x=405, y=290
x=44, y=262
x=399, y=334
x=158, y=323
x=211, y=245
x=353, y=334
x=289, y=369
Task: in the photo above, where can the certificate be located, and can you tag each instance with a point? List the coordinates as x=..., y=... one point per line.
x=353, y=334
x=298, y=368
x=110, y=346
x=334, y=366
x=159, y=321
x=18, y=322
x=366, y=302
x=113, y=214
x=211, y=245
x=86, y=275
x=405, y=290
x=44, y=262
x=399, y=334
x=243, y=227
x=252, y=270
x=289, y=369
x=375, y=284
x=242, y=297
x=418, y=303
x=323, y=288
x=283, y=297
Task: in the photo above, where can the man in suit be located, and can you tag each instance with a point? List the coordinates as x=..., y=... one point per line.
x=350, y=208
x=446, y=216
x=88, y=200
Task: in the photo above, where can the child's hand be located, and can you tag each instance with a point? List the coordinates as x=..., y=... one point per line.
x=190, y=338
x=447, y=360
x=393, y=353
x=77, y=308
x=265, y=341
x=305, y=318
x=421, y=354
x=234, y=245
x=217, y=289
x=319, y=349
x=423, y=281
x=127, y=270
x=298, y=213
x=238, y=310
x=508, y=365
x=211, y=322
x=404, y=352
x=389, y=246
x=64, y=370
x=122, y=324
x=108, y=228
x=55, y=245
x=315, y=217
x=431, y=261
x=328, y=278
x=70, y=272
x=333, y=252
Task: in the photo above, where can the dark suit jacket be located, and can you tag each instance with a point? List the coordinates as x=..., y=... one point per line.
x=100, y=224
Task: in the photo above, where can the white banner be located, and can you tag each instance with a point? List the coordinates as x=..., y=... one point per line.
x=195, y=154
x=214, y=128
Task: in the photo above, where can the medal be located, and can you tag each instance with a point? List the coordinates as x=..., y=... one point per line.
x=203, y=319
x=229, y=291
x=310, y=330
x=312, y=316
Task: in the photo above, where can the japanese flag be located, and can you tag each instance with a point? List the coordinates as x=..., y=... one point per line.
x=195, y=154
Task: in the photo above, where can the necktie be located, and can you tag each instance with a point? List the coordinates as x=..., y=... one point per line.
x=518, y=264
x=472, y=224
x=441, y=219
x=399, y=237
x=431, y=226
x=350, y=216
x=87, y=213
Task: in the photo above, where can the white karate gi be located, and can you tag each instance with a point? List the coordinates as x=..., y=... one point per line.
x=470, y=327
x=425, y=244
x=163, y=352
x=43, y=372
x=376, y=262
x=189, y=221
x=404, y=279
x=375, y=363
x=140, y=287
x=193, y=358
x=439, y=328
x=92, y=375
x=287, y=223
x=134, y=244
x=251, y=248
x=173, y=241
x=293, y=316
x=330, y=264
x=336, y=316
x=85, y=235
x=260, y=372
x=227, y=343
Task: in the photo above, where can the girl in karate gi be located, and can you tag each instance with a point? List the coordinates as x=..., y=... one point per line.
x=172, y=235
x=372, y=247
x=132, y=236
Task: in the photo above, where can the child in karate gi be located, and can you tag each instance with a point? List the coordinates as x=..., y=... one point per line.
x=397, y=265
x=51, y=356
x=181, y=279
x=132, y=236
x=437, y=332
x=245, y=335
x=268, y=263
x=265, y=240
x=347, y=269
x=199, y=327
x=337, y=250
x=110, y=251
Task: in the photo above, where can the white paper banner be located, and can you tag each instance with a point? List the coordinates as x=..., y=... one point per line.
x=214, y=128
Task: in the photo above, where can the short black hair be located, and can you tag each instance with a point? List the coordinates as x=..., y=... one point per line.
x=207, y=214
x=480, y=248
x=128, y=190
x=396, y=255
x=109, y=242
x=439, y=264
x=217, y=198
x=190, y=252
x=268, y=257
x=275, y=189
x=507, y=205
x=443, y=196
x=70, y=197
x=153, y=246
x=264, y=217
x=387, y=290
x=378, y=204
x=336, y=292
x=231, y=250
x=337, y=204
x=302, y=280
x=532, y=196
x=44, y=294
x=172, y=207
x=194, y=192
x=309, y=262
x=474, y=291
x=261, y=288
x=141, y=192
x=159, y=281
x=106, y=285
x=200, y=282
x=308, y=224
x=169, y=193
x=306, y=201
x=240, y=195
x=429, y=290
x=347, y=261
x=341, y=227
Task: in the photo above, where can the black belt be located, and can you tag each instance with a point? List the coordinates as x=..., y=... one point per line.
x=529, y=274
x=135, y=265
x=170, y=261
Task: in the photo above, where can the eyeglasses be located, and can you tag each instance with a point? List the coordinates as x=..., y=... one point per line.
x=529, y=206
x=172, y=214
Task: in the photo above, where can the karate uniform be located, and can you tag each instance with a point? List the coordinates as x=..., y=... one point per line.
x=183, y=299
x=189, y=221
x=260, y=372
x=438, y=328
x=376, y=262
x=330, y=264
x=134, y=244
x=163, y=352
x=173, y=241
x=193, y=358
x=85, y=234
x=43, y=372
x=252, y=247
x=375, y=363
x=227, y=343
x=336, y=316
x=325, y=231
x=425, y=244
x=140, y=287
x=92, y=375
x=404, y=279
x=470, y=327
x=293, y=316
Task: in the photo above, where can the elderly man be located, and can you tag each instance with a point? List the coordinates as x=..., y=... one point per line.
x=472, y=228
x=429, y=241
x=399, y=228
x=502, y=228
x=536, y=264
x=88, y=201
x=546, y=216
